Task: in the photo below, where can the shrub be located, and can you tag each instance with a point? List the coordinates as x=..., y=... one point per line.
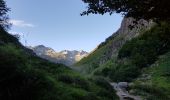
x=76, y=81
x=156, y=93
x=124, y=73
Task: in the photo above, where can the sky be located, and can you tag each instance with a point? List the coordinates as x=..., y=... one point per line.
x=58, y=24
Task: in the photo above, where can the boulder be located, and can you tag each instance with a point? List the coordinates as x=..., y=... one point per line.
x=123, y=85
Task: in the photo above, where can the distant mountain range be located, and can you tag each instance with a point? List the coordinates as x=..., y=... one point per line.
x=65, y=57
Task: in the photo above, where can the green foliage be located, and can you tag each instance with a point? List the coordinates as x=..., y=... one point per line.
x=124, y=73
x=105, y=69
x=152, y=9
x=7, y=38
x=92, y=63
x=75, y=81
x=151, y=92
x=137, y=54
x=102, y=82
x=107, y=40
x=3, y=15
x=145, y=49
x=88, y=64
x=157, y=87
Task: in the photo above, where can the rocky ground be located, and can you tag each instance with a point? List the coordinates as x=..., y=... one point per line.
x=123, y=94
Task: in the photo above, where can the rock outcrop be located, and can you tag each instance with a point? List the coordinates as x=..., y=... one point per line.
x=124, y=33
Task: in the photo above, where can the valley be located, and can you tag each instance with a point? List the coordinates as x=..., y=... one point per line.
x=131, y=64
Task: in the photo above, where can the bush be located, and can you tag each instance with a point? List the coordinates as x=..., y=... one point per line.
x=107, y=88
x=124, y=73
x=76, y=81
x=156, y=93
x=103, y=83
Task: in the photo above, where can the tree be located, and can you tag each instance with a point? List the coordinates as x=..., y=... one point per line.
x=3, y=15
x=156, y=10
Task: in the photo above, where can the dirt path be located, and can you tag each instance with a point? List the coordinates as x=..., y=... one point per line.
x=123, y=93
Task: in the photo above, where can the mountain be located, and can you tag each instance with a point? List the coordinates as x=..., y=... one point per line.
x=65, y=57
x=139, y=57
x=109, y=48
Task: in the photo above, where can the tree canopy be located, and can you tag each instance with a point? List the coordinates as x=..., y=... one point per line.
x=157, y=10
x=3, y=15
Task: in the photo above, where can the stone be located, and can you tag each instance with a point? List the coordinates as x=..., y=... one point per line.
x=123, y=85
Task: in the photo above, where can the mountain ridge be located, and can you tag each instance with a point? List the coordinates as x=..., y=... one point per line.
x=67, y=57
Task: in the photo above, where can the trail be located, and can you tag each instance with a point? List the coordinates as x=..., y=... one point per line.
x=123, y=93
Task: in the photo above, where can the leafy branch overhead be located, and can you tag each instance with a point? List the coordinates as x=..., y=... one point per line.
x=3, y=15
x=157, y=10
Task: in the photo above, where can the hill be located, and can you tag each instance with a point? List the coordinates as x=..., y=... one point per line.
x=24, y=76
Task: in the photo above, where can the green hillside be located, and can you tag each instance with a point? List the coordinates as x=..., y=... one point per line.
x=88, y=64
x=154, y=83
x=108, y=50
x=137, y=54
x=24, y=76
x=134, y=55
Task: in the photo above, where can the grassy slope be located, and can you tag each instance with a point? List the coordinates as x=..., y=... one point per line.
x=88, y=64
x=97, y=58
x=27, y=77
x=157, y=85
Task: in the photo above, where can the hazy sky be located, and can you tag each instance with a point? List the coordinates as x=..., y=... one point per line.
x=58, y=24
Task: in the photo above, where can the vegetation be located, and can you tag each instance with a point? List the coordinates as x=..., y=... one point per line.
x=90, y=63
x=151, y=44
x=25, y=76
x=3, y=15
x=135, y=55
x=144, y=60
x=156, y=83
x=139, y=53
x=151, y=9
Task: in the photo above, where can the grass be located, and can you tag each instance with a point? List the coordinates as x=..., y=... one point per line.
x=158, y=86
x=88, y=64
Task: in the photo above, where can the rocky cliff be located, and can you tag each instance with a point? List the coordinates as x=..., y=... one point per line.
x=124, y=34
